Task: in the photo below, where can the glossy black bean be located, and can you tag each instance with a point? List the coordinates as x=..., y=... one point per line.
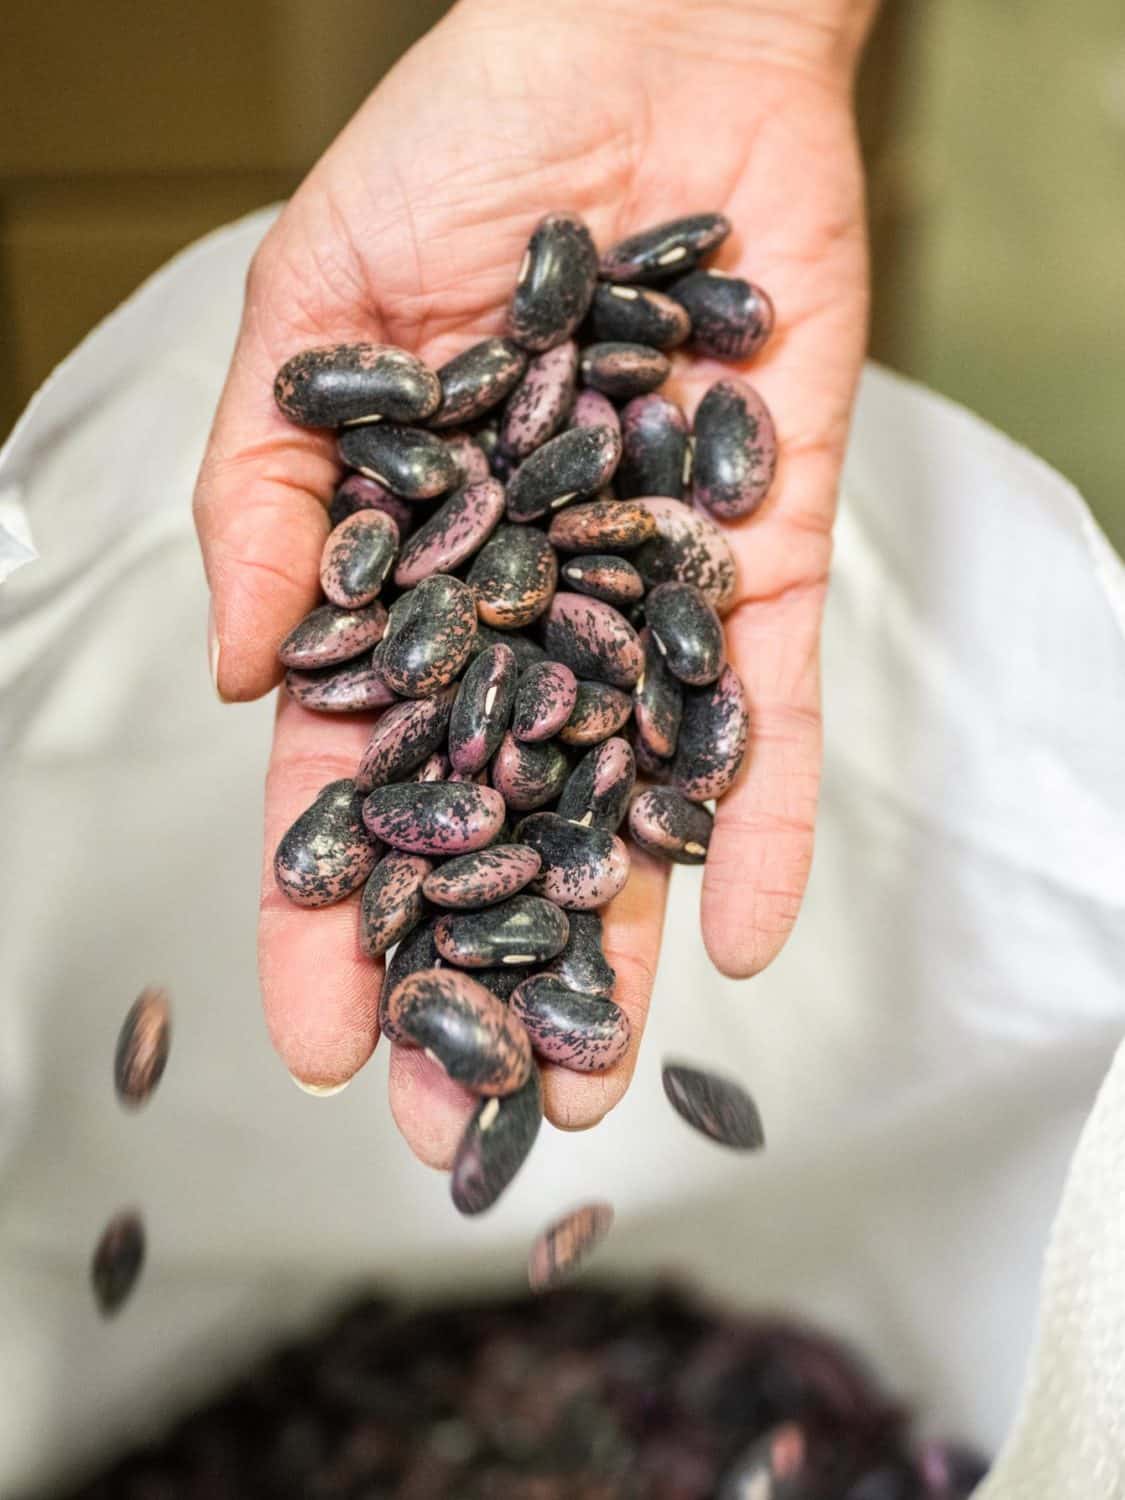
x=730, y=318
x=688, y=548
x=117, y=1261
x=462, y=1026
x=623, y=370
x=522, y=930
x=342, y=383
x=482, y=708
x=687, y=632
x=593, y=639
x=735, y=449
x=655, y=452
x=327, y=853
x=582, y=868
x=408, y=461
x=545, y=698
x=667, y=824
x=496, y=1143
x=716, y=1106
x=638, y=315
x=477, y=379
x=603, y=576
x=429, y=637
x=555, y=284
x=357, y=556
x=582, y=965
x=597, y=791
x=581, y=1032
x=712, y=739
x=599, y=711
x=528, y=776
x=514, y=576
x=403, y=738
x=561, y=1248
x=665, y=250
x=658, y=702
x=569, y=467
x=538, y=406
x=392, y=901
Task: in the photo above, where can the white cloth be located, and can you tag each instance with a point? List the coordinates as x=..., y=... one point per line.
x=925, y=1052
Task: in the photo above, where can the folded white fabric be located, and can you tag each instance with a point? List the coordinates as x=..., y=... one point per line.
x=925, y=1052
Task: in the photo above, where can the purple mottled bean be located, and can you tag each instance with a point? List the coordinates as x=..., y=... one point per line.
x=638, y=315
x=716, y=1106
x=392, y=901
x=349, y=687
x=482, y=879
x=477, y=379
x=434, y=817
x=538, y=406
x=730, y=318
x=545, y=698
x=667, y=824
x=459, y=1023
x=357, y=557
x=601, y=526
x=429, y=636
x=528, y=776
x=117, y=1261
x=403, y=738
x=482, y=708
x=144, y=1040
x=599, y=711
x=357, y=492
x=712, y=740
x=686, y=631
x=409, y=462
x=555, y=282
x=623, y=370
x=583, y=867
x=665, y=250
x=597, y=791
x=457, y=529
x=655, y=451
x=592, y=409
x=522, y=930
x=327, y=853
x=514, y=576
x=582, y=965
x=561, y=1248
x=581, y=1032
x=330, y=634
x=593, y=639
x=434, y=768
x=496, y=1143
x=658, y=702
x=603, y=576
x=468, y=455
x=574, y=464
x=735, y=450
x=339, y=383
x=688, y=548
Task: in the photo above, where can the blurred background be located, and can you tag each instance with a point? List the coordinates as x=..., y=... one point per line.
x=995, y=138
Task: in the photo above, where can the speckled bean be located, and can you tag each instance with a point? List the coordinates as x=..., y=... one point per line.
x=582, y=869
x=593, y=639
x=327, y=853
x=592, y=409
x=687, y=632
x=521, y=930
x=482, y=879
x=717, y=1107
x=538, y=406
x=735, y=450
x=730, y=318
x=605, y=577
x=341, y=383
x=403, y=738
x=392, y=901
x=434, y=817
x=496, y=1143
x=655, y=449
x=457, y=529
x=688, y=548
x=349, y=688
x=560, y=1249
x=658, y=702
x=545, y=698
x=667, y=824
x=775, y=1466
x=429, y=636
x=555, y=282
x=665, y=250
x=712, y=739
x=568, y=467
x=514, y=576
x=601, y=526
x=464, y=1028
x=357, y=557
x=482, y=708
x=599, y=711
x=357, y=492
x=117, y=1261
x=623, y=370
x=409, y=462
x=597, y=791
x=477, y=379
x=143, y=1044
x=528, y=776
x=582, y=1032
x=582, y=965
x=638, y=315
x=330, y=634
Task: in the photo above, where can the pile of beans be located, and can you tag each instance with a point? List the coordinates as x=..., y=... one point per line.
x=584, y=1394
x=525, y=576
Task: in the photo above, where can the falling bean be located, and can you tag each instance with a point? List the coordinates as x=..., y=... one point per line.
x=117, y=1261
x=496, y=1143
x=561, y=1248
x=717, y=1107
x=142, y=1047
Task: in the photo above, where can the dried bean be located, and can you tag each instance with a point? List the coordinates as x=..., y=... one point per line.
x=582, y=868
x=528, y=776
x=403, y=738
x=330, y=634
x=429, y=636
x=712, y=738
x=687, y=632
x=409, y=462
x=658, y=701
x=538, y=406
x=514, y=576
x=555, y=283
x=392, y=901
x=735, y=450
x=717, y=1107
x=665, y=823
x=545, y=698
x=602, y=576
x=655, y=449
x=576, y=463
x=593, y=639
x=666, y=249
x=357, y=557
x=355, y=383
x=496, y=1143
x=638, y=315
x=730, y=318
x=117, y=1262
x=614, y=525
x=357, y=492
x=688, y=548
x=482, y=708
x=351, y=687
x=477, y=379
x=482, y=879
x=142, y=1046
x=434, y=817
x=581, y=1032
x=582, y=965
x=598, y=712
x=457, y=529
x=560, y=1249
x=327, y=853
x=463, y=1027
x=521, y=930
x=623, y=370
x=597, y=791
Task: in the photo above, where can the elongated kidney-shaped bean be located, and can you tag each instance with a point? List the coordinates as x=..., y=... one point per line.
x=538, y=406
x=665, y=250
x=593, y=639
x=521, y=930
x=354, y=383
x=545, y=697
x=658, y=701
x=409, y=462
x=583, y=1032
x=666, y=823
x=730, y=318
x=599, y=711
x=582, y=868
x=392, y=901
x=329, y=635
x=602, y=526
x=457, y=529
x=597, y=791
x=357, y=556
x=528, y=776
x=687, y=632
x=350, y=687
x=434, y=817
x=623, y=370
x=482, y=708
x=403, y=738
x=638, y=315
x=688, y=548
x=654, y=449
x=327, y=853
x=482, y=879
x=495, y=1145
x=464, y=1027
x=576, y=463
x=477, y=379
x=605, y=577
x=514, y=576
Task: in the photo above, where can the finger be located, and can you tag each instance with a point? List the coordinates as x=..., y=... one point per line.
x=430, y=1110
x=320, y=991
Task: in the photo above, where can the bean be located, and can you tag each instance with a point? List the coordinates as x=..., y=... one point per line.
x=357, y=557
x=623, y=370
x=597, y=791
x=582, y=965
x=600, y=526
x=712, y=740
x=598, y=712
x=434, y=817
x=468, y=455
x=357, y=492
x=329, y=634
x=327, y=853
x=638, y=315
x=477, y=379
x=416, y=951
x=392, y=901
x=462, y=1027
x=735, y=450
x=665, y=823
x=355, y=383
x=730, y=318
x=666, y=249
x=593, y=639
x=555, y=283
x=403, y=738
x=561, y=1248
x=688, y=548
x=527, y=776
x=576, y=463
x=514, y=576
x=687, y=632
x=655, y=451
x=521, y=930
x=482, y=879
x=581, y=1032
x=602, y=576
x=142, y=1046
x=457, y=529
x=496, y=1143
x=658, y=702
x=545, y=697
x=592, y=409
x=538, y=406
x=482, y=708
x=409, y=462
x=429, y=636
x=582, y=868
x=118, y=1258
x=349, y=687
x=717, y=1107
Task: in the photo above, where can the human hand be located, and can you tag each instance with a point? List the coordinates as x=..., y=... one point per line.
x=408, y=231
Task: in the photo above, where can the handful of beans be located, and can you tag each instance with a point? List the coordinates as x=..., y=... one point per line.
x=525, y=575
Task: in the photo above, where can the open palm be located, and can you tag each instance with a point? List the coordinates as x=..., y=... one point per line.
x=409, y=230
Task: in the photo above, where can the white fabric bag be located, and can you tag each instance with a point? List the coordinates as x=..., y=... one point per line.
x=926, y=1052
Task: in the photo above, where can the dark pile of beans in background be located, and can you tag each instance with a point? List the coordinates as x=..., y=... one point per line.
x=525, y=575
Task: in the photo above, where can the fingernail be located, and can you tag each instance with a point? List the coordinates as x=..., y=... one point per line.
x=320, y=1090
x=213, y=650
